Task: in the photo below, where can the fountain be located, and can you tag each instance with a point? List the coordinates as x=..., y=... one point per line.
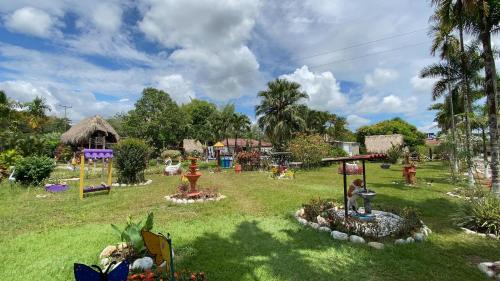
x=193, y=176
x=367, y=196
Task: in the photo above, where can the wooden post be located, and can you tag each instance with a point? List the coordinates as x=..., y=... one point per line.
x=345, y=188
x=110, y=170
x=82, y=173
x=364, y=174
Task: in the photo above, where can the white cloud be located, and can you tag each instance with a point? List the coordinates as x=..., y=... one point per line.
x=371, y=104
x=177, y=87
x=322, y=88
x=213, y=51
x=424, y=85
x=107, y=17
x=356, y=121
x=83, y=104
x=31, y=21
x=380, y=76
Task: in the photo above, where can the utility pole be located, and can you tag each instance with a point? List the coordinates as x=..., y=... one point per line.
x=66, y=107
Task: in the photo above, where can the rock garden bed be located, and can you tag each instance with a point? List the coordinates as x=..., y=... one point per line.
x=116, y=184
x=201, y=197
x=379, y=228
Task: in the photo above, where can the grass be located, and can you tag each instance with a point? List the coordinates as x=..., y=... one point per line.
x=250, y=235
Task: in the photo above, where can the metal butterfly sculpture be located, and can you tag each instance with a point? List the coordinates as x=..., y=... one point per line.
x=160, y=248
x=87, y=273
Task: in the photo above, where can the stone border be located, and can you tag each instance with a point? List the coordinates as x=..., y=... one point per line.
x=191, y=201
x=136, y=184
x=489, y=269
x=337, y=235
x=472, y=232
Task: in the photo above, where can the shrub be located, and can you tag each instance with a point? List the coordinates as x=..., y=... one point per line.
x=63, y=152
x=9, y=158
x=33, y=170
x=338, y=152
x=249, y=160
x=317, y=207
x=410, y=224
x=131, y=160
x=394, y=153
x=132, y=233
x=480, y=214
x=309, y=149
x=169, y=153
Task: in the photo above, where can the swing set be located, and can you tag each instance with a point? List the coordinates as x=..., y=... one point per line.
x=94, y=154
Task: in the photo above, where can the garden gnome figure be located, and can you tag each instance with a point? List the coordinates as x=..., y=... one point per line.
x=352, y=194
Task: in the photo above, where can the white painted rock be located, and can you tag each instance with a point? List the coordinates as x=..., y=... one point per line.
x=400, y=241
x=337, y=235
x=302, y=221
x=105, y=262
x=356, y=239
x=190, y=201
x=321, y=220
x=301, y=212
x=419, y=237
x=108, y=251
x=121, y=246
x=324, y=228
x=143, y=264
x=376, y=245
x=313, y=225
x=410, y=240
x=485, y=267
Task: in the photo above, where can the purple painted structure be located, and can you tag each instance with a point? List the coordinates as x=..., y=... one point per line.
x=56, y=187
x=98, y=153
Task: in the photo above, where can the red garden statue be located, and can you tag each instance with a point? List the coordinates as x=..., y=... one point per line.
x=193, y=176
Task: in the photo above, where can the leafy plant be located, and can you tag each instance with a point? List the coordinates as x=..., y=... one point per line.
x=249, y=160
x=394, y=153
x=9, y=158
x=309, y=149
x=480, y=214
x=338, y=152
x=131, y=160
x=63, y=152
x=170, y=153
x=317, y=207
x=33, y=170
x=132, y=233
x=410, y=224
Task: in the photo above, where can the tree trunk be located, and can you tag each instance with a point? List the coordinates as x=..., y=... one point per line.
x=491, y=97
x=468, y=110
x=454, y=158
x=485, y=153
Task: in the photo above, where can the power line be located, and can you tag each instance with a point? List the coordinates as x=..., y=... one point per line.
x=361, y=44
x=369, y=54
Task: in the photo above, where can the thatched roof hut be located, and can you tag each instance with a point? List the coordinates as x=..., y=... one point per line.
x=382, y=143
x=190, y=146
x=90, y=132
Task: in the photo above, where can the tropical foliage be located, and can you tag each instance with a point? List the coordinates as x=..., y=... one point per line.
x=411, y=135
x=33, y=170
x=131, y=158
x=309, y=149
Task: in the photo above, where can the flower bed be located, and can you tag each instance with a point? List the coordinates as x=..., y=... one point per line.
x=404, y=227
x=136, y=184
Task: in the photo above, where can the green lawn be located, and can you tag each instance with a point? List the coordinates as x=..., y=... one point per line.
x=250, y=235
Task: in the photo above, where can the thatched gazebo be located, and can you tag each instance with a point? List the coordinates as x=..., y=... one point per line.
x=92, y=132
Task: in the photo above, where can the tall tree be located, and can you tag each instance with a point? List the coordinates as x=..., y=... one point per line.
x=157, y=119
x=200, y=112
x=278, y=112
x=241, y=125
x=36, y=112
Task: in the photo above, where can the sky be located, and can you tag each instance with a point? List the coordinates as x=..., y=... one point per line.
x=358, y=59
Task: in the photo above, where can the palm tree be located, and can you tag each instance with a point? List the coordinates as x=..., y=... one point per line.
x=481, y=18
x=278, y=111
x=36, y=112
x=241, y=125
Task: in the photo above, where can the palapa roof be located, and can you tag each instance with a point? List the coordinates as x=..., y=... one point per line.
x=243, y=142
x=191, y=145
x=81, y=132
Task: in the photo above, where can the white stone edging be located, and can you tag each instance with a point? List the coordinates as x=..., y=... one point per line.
x=191, y=201
x=136, y=184
x=338, y=235
x=487, y=268
x=472, y=232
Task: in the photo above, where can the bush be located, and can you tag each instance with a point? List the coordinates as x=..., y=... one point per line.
x=317, y=207
x=63, y=153
x=309, y=149
x=33, y=170
x=172, y=154
x=338, y=152
x=131, y=158
x=249, y=160
x=481, y=215
x=394, y=153
x=9, y=158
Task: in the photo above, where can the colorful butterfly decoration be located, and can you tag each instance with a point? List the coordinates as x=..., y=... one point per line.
x=160, y=248
x=87, y=273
